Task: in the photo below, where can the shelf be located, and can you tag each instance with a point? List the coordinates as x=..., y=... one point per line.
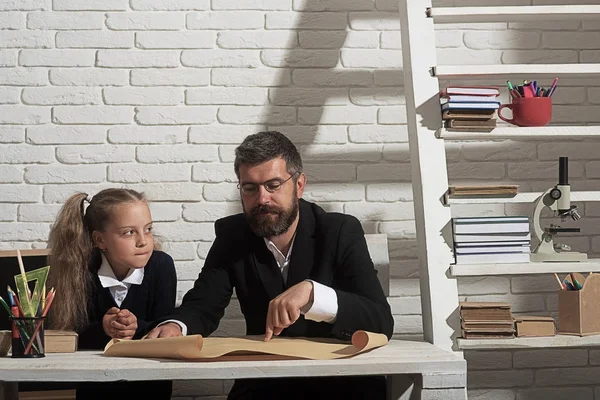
x=529, y=342
x=524, y=268
x=542, y=132
x=526, y=197
x=502, y=70
x=447, y=15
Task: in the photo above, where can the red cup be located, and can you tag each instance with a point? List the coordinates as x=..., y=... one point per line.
x=528, y=111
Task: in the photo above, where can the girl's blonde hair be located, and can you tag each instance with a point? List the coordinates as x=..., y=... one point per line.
x=71, y=247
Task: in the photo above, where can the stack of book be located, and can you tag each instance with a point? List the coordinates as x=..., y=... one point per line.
x=469, y=108
x=491, y=240
x=483, y=320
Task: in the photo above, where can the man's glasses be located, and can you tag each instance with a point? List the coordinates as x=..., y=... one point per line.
x=271, y=186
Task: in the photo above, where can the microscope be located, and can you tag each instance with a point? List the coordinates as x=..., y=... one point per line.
x=558, y=199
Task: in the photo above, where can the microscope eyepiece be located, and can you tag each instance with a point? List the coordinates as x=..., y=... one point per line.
x=563, y=170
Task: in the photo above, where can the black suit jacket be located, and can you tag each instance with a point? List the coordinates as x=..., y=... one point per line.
x=152, y=299
x=329, y=248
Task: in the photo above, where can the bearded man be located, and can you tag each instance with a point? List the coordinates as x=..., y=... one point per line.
x=296, y=269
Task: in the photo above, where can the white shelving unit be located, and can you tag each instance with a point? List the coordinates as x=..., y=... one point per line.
x=513, y=13
x=439, y=294
x=524, y=268
x=502, y=70
x=515, y=133
x=529, y=343
x=526, y=197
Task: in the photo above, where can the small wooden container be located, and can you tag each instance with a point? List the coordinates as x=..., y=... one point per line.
x=578, y=309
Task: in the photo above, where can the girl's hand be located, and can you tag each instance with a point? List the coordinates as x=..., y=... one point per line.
x=126, y=324
x=107, y=322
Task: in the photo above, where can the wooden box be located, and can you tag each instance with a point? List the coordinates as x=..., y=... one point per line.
x=578, y=309
x=534, y=326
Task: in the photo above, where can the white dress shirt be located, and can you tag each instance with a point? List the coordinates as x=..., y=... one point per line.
x=118, y=289
x=324, y=307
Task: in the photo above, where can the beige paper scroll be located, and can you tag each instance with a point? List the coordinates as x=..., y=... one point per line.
x=248, y=348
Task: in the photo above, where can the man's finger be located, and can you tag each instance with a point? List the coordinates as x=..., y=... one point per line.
x=275, y=314
x=113, y=310
x=125, y=313
x=284, y=318
x=294, y=315
x=268, y=333
x=153, y=334
x=269, y=322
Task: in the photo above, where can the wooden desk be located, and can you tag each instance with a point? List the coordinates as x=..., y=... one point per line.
x=416, y=370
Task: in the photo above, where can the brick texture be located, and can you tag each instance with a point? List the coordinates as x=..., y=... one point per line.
x=156, y=94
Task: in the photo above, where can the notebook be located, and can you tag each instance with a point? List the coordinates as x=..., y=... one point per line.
x=468, y=106
x=471, y=123
x=474, y=114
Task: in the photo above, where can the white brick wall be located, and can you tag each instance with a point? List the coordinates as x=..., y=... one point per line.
x=156, y=94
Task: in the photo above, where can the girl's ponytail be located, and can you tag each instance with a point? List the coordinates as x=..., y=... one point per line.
x=71, y=245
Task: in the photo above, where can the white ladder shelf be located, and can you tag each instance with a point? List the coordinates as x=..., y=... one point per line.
x=439, y=294
x=447, y=15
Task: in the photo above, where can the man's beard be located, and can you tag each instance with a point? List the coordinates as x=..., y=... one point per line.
x=264, y=225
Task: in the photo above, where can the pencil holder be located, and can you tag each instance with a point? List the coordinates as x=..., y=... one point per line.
x=28, y=337
x=578, y=309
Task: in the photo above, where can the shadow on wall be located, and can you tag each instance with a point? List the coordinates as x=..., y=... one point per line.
x=338, y=94
x=337, y=90
x=340, y=90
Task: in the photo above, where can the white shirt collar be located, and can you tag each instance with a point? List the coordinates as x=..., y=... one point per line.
x=276, y=252
x=108, y=279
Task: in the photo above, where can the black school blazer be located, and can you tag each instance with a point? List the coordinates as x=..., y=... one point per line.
x=150, y=301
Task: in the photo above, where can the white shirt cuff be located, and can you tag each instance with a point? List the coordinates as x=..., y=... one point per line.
x=325, y=304
x=181, y=325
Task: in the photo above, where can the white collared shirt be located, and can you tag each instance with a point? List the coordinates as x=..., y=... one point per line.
x=324, y=307
x=118, y=289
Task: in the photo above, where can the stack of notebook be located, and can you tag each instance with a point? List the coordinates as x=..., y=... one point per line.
x=469, y=108
x=491, y=240
x=482, y=320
